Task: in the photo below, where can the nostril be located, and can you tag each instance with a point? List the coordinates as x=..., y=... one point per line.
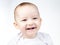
x=30, y=24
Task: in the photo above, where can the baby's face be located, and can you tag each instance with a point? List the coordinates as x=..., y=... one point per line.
x=28, y=20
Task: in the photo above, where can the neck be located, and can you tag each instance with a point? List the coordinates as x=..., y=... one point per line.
x=29, y=36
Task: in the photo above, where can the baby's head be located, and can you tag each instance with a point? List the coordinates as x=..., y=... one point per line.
x=27, y=19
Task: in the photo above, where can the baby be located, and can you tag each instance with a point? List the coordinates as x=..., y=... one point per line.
x=28, y=21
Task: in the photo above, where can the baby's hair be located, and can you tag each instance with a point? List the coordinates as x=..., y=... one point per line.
x=23, y=4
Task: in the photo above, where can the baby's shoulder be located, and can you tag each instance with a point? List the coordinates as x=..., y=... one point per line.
x=14, y=40
x=44, y=37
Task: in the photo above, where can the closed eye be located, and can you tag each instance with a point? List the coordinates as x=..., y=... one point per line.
x=35, y=18
x=24, y=20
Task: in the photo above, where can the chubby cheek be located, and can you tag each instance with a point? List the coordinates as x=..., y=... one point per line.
x=38, y=23
x=22, y=27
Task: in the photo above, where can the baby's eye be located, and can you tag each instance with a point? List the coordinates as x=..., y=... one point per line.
x=35, y=18
x=24, y=20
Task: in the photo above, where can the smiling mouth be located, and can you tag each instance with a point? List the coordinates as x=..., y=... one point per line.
x=31, y=28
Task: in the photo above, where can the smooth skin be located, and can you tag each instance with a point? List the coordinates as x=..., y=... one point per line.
x=27, y=17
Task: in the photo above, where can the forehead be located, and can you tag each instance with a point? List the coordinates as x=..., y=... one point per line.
x=27, y=10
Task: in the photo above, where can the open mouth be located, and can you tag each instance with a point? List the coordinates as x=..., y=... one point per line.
x=31, y=28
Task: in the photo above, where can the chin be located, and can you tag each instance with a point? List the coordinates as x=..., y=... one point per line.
x=31, y=33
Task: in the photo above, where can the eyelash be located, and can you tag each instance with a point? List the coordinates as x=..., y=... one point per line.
x=24, y=20
x=35, y=18
x=32, y=18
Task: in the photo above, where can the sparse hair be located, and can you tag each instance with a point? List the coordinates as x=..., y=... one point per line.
x=23, y=4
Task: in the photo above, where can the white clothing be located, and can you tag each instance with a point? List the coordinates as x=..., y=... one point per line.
x=40, y=39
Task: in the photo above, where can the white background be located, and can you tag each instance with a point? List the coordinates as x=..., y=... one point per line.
x=50, y=14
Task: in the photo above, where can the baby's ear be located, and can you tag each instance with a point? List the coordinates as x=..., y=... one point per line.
x=41, y=19
x=16, y=25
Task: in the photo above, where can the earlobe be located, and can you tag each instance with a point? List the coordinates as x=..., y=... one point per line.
x=40, y=19
x=16, y=25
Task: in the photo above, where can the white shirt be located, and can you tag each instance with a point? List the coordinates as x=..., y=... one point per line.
x=40, y=39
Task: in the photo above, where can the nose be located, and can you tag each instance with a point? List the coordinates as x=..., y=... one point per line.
x=30, y=22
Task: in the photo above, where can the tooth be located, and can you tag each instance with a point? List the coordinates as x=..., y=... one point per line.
x=30, y=28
